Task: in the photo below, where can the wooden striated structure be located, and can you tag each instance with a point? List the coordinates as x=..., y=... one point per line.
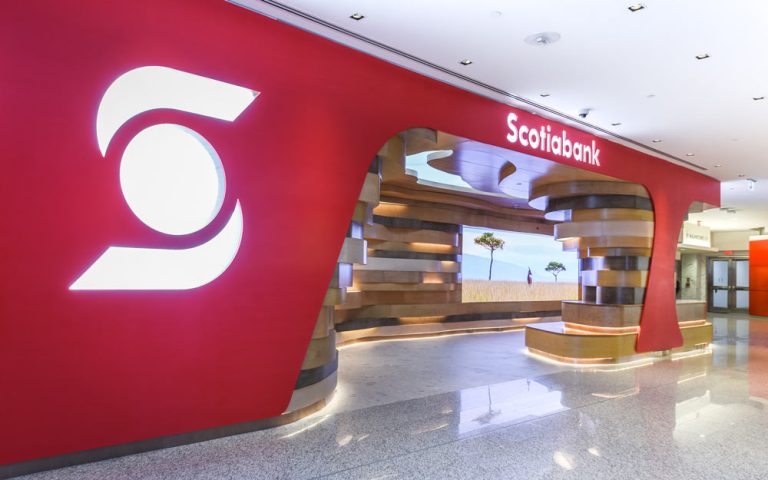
x=399, y=270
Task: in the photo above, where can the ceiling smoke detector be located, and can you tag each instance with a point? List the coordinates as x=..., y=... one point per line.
x=542, y=39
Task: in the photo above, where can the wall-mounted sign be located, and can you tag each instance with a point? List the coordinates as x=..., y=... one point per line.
x=545, y=140
x=172, y=179
x=696, y=235
x=220, y=353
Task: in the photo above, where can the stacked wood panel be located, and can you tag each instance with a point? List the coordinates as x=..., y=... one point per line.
x=413, y=271
x=609, y=224
x=410, y=261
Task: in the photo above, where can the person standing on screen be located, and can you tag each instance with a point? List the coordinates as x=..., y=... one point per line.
x=530, y=276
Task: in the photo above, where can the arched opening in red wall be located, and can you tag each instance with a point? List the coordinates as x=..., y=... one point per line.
x=424, y=187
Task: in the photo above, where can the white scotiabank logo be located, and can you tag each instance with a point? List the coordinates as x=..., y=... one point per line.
x=543, y=139
x=172, y=179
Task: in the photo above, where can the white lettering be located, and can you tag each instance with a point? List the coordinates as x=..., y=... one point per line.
x=567, y=146
x=512, y=135
x=524, y=136
x=533, y=138
x=595, y=154
x=545, y=140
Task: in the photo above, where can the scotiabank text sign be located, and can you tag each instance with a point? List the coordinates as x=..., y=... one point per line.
x=551, y=140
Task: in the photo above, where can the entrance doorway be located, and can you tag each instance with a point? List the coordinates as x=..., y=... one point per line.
x=728, y=285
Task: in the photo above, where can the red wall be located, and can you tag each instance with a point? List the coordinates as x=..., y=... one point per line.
x=758, y=277
x=81, y=370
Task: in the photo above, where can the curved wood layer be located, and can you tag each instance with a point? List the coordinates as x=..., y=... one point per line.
x=445, y=309
x=614, y=252
x=555, y=340
x=380, y=232
x=626, y=262
x=583, y=243
x=598, y=214
x=412, y=287
x=462, y=211
x=410, y=265
x=584, y=187
x=412, y=247
x=429, y=330
x=622, y=316
x=583, y=202
x=614, y=278
x=613, y=295
x=608, y=228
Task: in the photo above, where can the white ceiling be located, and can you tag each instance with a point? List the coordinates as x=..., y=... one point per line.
x=638, y=69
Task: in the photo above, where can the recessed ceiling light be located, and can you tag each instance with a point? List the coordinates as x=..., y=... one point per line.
x=545, y=95
x=542, y=39
x=615, y=124
x=652, y=95
x=496, y=13
x=758, y=98
x=357, y=16
x=690, y=154
x=718, y=166
x=702, y=56
x=656, y=140
x=466, y=62
x=636, y=7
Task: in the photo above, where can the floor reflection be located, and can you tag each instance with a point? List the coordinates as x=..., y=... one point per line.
x=506, y=402
x=731, y=341
x=477, y=407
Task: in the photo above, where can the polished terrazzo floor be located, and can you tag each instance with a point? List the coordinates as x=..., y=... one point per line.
x=476, y=406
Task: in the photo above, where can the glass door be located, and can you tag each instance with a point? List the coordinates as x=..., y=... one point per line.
x=741, y=285
x=729, y=285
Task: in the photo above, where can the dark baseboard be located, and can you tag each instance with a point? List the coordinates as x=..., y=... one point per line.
x=362, y=323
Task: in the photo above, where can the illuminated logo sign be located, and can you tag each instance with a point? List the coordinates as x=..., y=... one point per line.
x=172, y=179
x=545, y=140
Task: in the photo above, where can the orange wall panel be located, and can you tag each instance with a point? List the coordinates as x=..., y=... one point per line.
x=758, y=277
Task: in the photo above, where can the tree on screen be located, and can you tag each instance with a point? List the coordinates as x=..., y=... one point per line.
x=555, y=268
x=489, y=242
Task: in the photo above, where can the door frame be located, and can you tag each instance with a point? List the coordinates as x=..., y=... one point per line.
x=732, y=288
